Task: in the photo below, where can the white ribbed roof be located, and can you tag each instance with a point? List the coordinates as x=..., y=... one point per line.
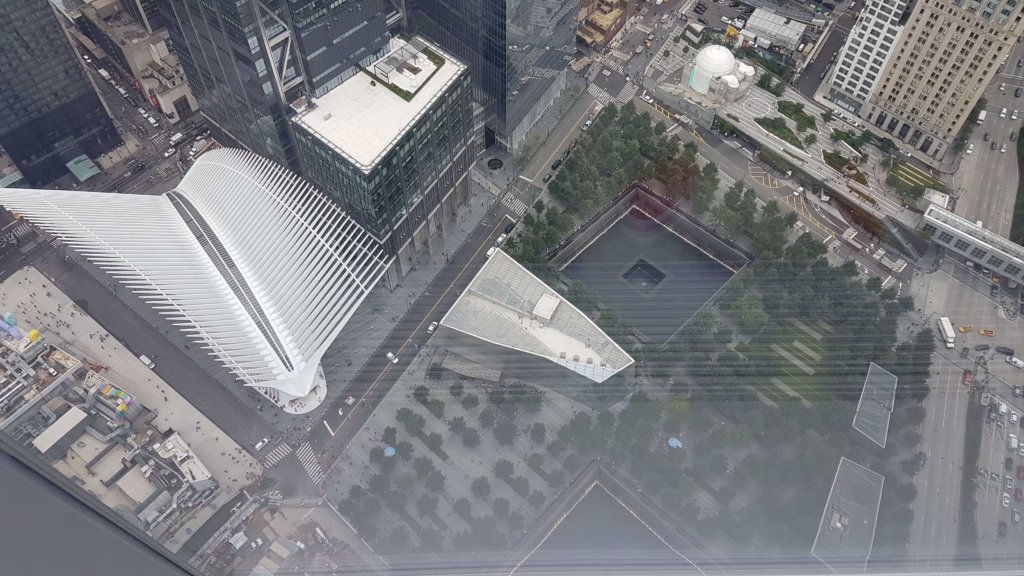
x=243, y=256
x=715, y=60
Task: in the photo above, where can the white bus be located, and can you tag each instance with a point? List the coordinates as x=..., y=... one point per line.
x=946, y=329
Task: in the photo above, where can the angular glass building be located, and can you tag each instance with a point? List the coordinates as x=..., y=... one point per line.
x=246, y=61
x=518, y=52
x=50, y=113
x=245, y=258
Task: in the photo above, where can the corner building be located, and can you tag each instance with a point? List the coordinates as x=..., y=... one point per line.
x=50, y=113
x=947, y=54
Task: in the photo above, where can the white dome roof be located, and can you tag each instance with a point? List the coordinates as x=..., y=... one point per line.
x=715, y=61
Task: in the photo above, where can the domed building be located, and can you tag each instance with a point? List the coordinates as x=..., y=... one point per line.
x=716, y=75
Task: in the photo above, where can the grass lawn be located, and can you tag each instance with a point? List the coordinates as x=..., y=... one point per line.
x=760, y=352
x=778, y=127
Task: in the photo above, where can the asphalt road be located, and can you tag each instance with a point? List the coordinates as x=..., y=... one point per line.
x=933, y=540
x=810, y=78
x=330, y=436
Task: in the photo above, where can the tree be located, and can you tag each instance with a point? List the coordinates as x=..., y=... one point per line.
x=470, y=438
x=501, y=507
x=826, y=116
x=423, y=466
x=537, y=432
x=457, y=425
x=505, y=432
x=749, y=310
x=520, y=485
x=435, y=481
x=463, y=508
x=487, y=418
x=704, y=195
x=376, y=454
x=434, y=441
x=379, y=484
x=536, y=499
x=426, y=504
x=470, y=401
x=356, y=492
x=481, y=487
x=390, y=436
x=404, y=450
x=810, y=139
x=555, y=447
x=421, y=393
x=414, y=423
x=504, y=469
x=456, y=389
x=535, y=460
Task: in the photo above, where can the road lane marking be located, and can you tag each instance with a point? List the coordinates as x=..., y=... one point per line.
x=328, y=426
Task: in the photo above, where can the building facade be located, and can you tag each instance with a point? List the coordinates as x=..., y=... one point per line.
x=393, y=146
x=947, y=55
x=50, y=113
x=247, y=61
x=866, y=53
x=974, y=244
x=518, y=52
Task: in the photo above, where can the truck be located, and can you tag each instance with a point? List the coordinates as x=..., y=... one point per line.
x=981, y=117
x=946, y=330
x=177, y=138
x=104, y=74
x=145, y=360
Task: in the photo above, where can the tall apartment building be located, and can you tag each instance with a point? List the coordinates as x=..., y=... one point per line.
x=947, y=55
x=518, y=52
x=393, y=146
x=50, y=114
x=246, y=61
x=866, y=53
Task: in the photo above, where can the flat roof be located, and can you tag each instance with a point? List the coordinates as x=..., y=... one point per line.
x=135, y=485
x=501, y=306
x=875, y=406
x=846, y=533
x=363, y=119
x=66, y=423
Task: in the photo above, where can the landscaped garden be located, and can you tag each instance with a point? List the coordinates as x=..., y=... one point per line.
x=795, y=112
x=778, y=127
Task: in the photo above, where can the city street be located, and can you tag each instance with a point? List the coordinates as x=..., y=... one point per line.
x=810, y=79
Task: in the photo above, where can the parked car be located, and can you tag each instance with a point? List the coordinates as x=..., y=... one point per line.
x=511, y=226
x=970, y=149
x=500, y=240
x=1009, y=483
x=993, y=290
x=986, y=137
x=1013, y=136
x=1017, y=390
x=392, y=358
x=1008, y=464
x=547, y=177
x=556, y=164
x=350, y=400
x=994, y=145
x=1006, y=504
x=1006, y=350
x=170, y=152
x=1014, y=115
x=982, y=347
x=702, y=21
x=432, y=327
x=1017, y=92
x=1014, y=418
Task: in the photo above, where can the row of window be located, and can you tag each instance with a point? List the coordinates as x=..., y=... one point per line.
x=976, y=254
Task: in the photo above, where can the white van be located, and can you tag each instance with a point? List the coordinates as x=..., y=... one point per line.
x=1015, y=361
x=1013, y=441
x=491, y=251
x=1002, y=408
x=145, y=360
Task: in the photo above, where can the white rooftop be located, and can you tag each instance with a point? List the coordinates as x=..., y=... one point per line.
x=508, y=306
x=363, y=119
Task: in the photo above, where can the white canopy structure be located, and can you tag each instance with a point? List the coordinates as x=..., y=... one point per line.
x=246, y=258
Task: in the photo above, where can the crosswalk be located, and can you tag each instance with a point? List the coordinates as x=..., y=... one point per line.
x=307, y=457
x=514, y=204
x=599, y=94
x=275, y=455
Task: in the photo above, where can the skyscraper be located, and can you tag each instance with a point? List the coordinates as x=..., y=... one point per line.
x=49, y=111
x=947, y=54
x=518, y=52
x=246, y=61
x=866, y=53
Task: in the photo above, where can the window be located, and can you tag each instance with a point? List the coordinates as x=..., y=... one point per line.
x=945, y=237
x=995, y=261
x=1012, y=269
x=961, y=245
x=978, y=253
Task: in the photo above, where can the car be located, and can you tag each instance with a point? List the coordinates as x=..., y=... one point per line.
x=965, y=352
x=994, y=145
x=647, y=98
x=986, y=137
x=587, y=124
x=1020, y=62
x=986, y=332
x=822, y=75
x=639, y=49
x=1015, y=516
x=1002, y=112
x=547, y=177
x=968, y=378
x=1013, y=136
x=392, y=358
x=702, y=21
x=491, y=251
x=350, y=400
x=170, y=152
x=259, y=445
x=1001, y=527
x=1002, y=87
x=985, y=399
x=1008, y=464
x=726, y=19
x=970, y=149
x=1017, y=92
x=1014, y=115
x=1018, y=494
x=511, y=226
x=341, y=411
x=1009, y=483
x=993, y=290
x=1020, y=472
x=982, y=347
x=1020, y=447
x=1006, y=500
x=650, y=37
x=500, y=240
x=432, y=327
x=1014, y=417
x=1006, y=350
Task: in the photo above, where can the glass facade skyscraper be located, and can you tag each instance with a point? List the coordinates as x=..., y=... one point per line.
x=518, y=52
x=49, y=110
x=246, y=61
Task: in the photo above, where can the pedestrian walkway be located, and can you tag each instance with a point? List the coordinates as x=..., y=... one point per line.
x=515, y=204
x=599, y=94
x=484, y=182
x=276, y=455
x=309, y=461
